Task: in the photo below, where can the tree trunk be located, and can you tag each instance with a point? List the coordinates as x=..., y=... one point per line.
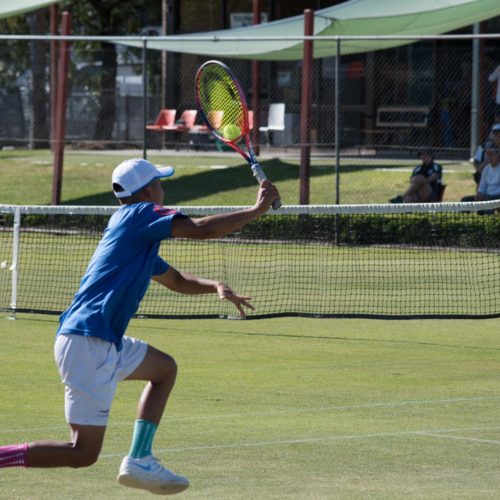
x=39, y=129
x=107, y=99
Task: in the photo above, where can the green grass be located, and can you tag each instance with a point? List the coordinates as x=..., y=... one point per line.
x=273, y=409
x=282, y=409
x=215, y=180
x=305, y=278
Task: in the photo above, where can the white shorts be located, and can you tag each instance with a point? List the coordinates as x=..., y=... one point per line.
x=91, y=368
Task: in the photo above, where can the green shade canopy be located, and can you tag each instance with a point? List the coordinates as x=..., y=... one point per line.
x=9, y=8
x=352, y=18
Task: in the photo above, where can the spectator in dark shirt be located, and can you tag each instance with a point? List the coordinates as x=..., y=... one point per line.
x=425, y=182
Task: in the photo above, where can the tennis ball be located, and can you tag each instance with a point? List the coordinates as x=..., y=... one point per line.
x=231, y=131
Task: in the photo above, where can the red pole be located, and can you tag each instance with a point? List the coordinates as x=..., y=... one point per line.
x=305, y=109
x=53, y=73
x=60, y=114
x=256, y=85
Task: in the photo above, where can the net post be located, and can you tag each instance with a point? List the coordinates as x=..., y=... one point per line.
x=15, y=261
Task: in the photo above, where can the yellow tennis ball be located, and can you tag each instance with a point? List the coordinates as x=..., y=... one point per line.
x=231, y=131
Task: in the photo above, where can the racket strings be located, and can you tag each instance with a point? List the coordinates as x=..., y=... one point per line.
x=220, y=102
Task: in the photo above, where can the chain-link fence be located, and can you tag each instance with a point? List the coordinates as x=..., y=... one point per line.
x=388, y=105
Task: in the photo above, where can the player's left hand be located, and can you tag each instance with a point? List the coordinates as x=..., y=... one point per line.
x=226, y=293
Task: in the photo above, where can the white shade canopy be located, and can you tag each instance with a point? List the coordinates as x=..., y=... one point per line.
x=9, y=8
x=352, y=18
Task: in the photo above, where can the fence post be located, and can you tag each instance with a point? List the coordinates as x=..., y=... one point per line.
x=256, y=86
x=53, y=74
x=15, y=261
x=474, y=92
x=305, y=109
x=144, y=96
x=60, y=116
x=337, y=123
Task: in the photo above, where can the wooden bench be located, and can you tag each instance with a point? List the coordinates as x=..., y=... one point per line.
x=402, y=116
x=392, y=122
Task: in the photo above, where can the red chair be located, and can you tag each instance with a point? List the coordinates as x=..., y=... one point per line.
x=165, y=119
x=250, y=119
x=185, y=122
x=215, y=117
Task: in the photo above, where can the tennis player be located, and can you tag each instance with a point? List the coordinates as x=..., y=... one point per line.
x=91, y=349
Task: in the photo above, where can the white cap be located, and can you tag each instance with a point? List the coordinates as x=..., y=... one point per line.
x=496, y=127
x=134, y=174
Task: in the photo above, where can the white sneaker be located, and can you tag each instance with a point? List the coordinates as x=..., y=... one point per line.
x=148, y=474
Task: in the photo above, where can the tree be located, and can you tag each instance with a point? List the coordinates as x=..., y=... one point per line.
x=111, y=17
x=16, y=59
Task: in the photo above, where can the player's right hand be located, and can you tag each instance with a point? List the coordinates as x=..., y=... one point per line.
x=266, y=195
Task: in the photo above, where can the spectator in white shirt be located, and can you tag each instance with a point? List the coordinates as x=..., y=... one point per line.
x=479, y=159
x=489, y=186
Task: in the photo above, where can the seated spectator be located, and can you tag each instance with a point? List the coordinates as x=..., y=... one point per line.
x=479, y=159
x=489, y=185
x=425, y=182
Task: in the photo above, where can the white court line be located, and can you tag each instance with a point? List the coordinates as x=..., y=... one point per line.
x=288, y=411
x=462, y=438
x=409, y=169
x=321, y=439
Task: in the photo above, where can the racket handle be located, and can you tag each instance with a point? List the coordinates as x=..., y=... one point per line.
x=261, y=176
x=276, y=204
x=258, y=172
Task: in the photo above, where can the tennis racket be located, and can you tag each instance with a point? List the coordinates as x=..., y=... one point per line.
x=224, y=110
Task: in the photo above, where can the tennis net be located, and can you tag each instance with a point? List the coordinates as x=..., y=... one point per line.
x=384, y=261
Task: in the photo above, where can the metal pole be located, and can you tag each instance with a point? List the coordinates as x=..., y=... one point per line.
x=256, y=86
x=337, y=124
x=305, y=109
x=474, y=107
x=61, y=101
x=144, y=97
x=53, y=74
x=15, y=261
x=164, y=32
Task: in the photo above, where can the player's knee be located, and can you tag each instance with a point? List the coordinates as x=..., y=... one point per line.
x=168, y=367
x=166, y=370
x=83, y=458
x=162, y=366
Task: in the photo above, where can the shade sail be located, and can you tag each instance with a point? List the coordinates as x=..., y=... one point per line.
x=9, y=8
x=352, y=18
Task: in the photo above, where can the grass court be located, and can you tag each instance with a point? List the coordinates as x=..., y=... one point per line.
x=282, y=408
x=286, y=408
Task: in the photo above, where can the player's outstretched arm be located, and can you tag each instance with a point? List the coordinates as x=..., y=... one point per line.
x=215, y=226
x=183, y=282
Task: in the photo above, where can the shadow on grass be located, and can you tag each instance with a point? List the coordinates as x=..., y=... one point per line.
x=345, y=169
x=187, y=188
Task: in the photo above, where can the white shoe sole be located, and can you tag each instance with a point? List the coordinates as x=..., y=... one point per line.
x=171, y=488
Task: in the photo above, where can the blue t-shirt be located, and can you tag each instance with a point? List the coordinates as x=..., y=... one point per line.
x=119, y=272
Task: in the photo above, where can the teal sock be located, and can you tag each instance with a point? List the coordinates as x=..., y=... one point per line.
x=142, y=440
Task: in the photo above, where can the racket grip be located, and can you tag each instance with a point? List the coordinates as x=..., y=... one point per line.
x=276, y=204
x=261, y=176
x=258, y=172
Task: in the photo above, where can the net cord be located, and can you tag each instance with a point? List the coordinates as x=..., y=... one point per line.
x=284, y=210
